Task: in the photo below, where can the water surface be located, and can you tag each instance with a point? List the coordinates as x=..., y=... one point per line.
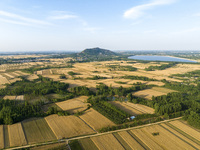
x=159, y=58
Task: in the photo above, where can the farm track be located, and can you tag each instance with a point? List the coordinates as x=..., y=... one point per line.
x=88, y=136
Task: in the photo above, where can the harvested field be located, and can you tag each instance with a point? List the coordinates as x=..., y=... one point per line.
x=95, y=119
x=9, y=97
x=142, y=108
x=3, y=80
x=14, y=80
x=37, y=130
x=146, y=139
x=20, y=97
x=130, y=140
x=87, y=144
x=122, y=141
x=166, y=139
x=16, y=135
x=1, y=137
x=155, y=91
x=67, y=126
x=187, y=129
x=126, y=108
x=32, y=77
x=133, y=109
x=108, y=142
x=74, y=105
x=197, y=146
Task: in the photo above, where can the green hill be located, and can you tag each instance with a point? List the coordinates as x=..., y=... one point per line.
x=97, y=52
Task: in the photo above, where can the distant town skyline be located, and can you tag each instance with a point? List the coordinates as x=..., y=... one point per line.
x=46, y=25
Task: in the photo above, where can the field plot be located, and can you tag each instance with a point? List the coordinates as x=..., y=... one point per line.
x=126, y=108
x=108, y=142
x=130, y=140
x=20, y=97
x=87, y=144
x=74, y=105
x=95, y=119
x=186, y=139
x=68, y=126
x=122, y=141
x=37, y=130
x=16, y=135
x=32, y=77
x=155, y=91
x=1, y=137
x=9, y=97
x=146, y=139
x=166, y=139
x=133, y=109
x=3, y=80
x=187, y=129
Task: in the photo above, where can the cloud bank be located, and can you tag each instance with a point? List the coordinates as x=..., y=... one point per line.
x=138, y=11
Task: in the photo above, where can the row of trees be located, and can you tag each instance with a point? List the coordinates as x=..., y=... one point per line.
x=138, y=78
x=41, y=86
x=161, y=67
x=111, y=112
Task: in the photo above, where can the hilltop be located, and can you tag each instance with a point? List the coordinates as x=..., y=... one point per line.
x=97, y=52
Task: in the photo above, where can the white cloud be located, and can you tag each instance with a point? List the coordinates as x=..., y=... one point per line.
x=61, y=15
x=138, y=11
x=17, y=19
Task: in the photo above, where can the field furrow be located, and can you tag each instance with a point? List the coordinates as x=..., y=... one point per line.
x=87, y=144
x=187, y=129
x=130, y=140
x=187, y=140
x=107, y=142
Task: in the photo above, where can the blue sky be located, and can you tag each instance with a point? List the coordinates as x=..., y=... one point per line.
x=43, y=25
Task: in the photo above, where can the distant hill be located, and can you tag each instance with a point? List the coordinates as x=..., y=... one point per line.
x=97, y=52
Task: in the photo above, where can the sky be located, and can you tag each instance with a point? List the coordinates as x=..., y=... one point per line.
x=46, y=25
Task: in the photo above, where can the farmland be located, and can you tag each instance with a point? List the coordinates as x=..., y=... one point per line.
x=133, y=109
x=73, y=105
x=95, y=119
x=67, y=126
x=155, y=91
x=143, y=138
x=51, y=99
x=37, y=130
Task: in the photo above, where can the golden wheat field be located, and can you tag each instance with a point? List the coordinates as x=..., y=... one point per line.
x=16, y=135
x=133, y=109
x=67, y=126
x=9, y=97
x=126, y=108
x=155, y=91
x=148, y=141
x=197, y=146
x=185, y=128
x=166, y=139
x=108, y=142
x=95, y=119
x=37, y=130
x=130, y=140
x=74, y=105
